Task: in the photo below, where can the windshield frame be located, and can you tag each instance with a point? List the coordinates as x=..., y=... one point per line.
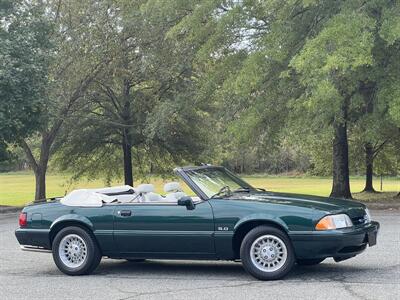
x=182, y=172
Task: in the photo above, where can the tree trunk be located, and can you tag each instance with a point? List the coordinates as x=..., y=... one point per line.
x=341, y=181
x=369, y=160
x=126, y=133
x=368, y=90
x=39, y=166
x=127, y=149
x=40, y=184
x=41, y=170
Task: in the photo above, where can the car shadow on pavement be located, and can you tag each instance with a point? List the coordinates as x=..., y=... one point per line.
x=161, y=268
x=326, y=271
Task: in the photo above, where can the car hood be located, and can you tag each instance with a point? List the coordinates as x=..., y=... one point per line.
x=326, y=204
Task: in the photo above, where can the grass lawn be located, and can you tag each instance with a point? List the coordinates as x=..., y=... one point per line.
x=17, y=188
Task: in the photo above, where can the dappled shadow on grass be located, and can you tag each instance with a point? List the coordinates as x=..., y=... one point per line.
x=378, y=197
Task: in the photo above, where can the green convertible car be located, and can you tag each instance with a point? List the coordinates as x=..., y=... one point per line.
x=227, y=220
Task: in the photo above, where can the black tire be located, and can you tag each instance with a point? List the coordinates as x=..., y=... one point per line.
x=251, y=267
x=93, y=254
x=310, y=262
x=135, y=260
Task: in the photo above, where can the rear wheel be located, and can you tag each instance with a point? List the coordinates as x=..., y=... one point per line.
x=75, y=252
x=310, y=262
x=266, y=253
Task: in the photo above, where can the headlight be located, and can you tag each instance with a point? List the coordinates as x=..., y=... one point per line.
x=367, y=216
x=334, y=222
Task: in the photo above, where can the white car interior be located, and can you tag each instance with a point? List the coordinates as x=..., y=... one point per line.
x=143, y=193
x=174, y=191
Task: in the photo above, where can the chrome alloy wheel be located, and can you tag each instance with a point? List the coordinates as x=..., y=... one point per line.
x=72, y=251
x=268, y=253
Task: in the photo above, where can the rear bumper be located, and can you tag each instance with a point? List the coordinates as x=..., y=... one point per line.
x=31, y=239
x=340, y=244
x=34, y=249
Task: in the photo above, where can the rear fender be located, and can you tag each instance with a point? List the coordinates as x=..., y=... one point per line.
x=72, y=218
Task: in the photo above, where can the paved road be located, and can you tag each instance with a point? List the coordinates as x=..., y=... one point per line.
x=374, y=274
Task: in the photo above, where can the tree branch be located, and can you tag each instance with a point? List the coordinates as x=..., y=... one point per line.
x=74, y=97
x=111, y=95
x=379, y=148
x=29, y=154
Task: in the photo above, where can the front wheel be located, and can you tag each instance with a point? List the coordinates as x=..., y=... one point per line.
x=267, y=253
x=75, y=252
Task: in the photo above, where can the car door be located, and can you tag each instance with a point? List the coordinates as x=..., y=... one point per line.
x=164, y=230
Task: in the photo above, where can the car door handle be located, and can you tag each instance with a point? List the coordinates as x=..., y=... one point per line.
x=125, y=213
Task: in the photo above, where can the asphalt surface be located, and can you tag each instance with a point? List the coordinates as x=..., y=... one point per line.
x=375, y=274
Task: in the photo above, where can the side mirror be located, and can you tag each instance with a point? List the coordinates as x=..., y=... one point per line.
x=186, y=201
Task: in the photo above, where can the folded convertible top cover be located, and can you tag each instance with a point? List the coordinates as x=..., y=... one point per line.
x=86, y=198
x=113, y=189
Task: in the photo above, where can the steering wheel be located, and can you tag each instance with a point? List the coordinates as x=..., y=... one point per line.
x=225, y=190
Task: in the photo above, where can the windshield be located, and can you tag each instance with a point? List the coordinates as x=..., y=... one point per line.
x=212, y=180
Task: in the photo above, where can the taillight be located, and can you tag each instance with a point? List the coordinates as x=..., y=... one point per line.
x=22, y=219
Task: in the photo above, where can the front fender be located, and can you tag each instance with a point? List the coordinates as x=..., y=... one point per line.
x=262, y=217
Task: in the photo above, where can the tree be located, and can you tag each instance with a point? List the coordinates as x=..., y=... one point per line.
x=326, y=52
x=275, y=33
x=378, y=128
x=248, y=107
x=76, y=61
x=24, y=60
x=371, y=137
x=140, y=103
x=340, y=70
x=350, y=59
x=150, y=83
x=390, y=33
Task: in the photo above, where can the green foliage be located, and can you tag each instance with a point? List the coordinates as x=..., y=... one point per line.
x=254, y=85
x=344, y=44
x=328, y=63
x=391, y=91
x=4, y=153
x=142, y=99
x=294, y=64
x=390, y=28
x=24, y=59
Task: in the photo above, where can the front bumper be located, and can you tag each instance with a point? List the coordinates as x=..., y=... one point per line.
x=33, y=239
x=340, y=244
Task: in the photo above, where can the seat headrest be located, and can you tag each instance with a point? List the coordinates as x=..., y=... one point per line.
x=171, y=187
x=144, y=188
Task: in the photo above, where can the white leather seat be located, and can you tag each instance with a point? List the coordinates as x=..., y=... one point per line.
x=174, y=192
x=147, y=194
x=153, y=197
